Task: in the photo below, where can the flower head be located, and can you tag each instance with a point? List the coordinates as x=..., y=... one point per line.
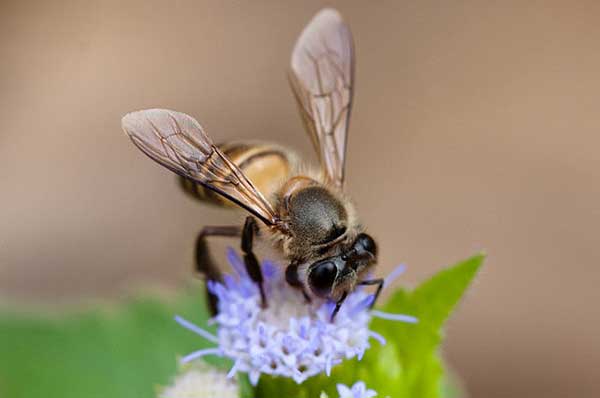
x=290, y=337
x=201, y=382
x=358, y=390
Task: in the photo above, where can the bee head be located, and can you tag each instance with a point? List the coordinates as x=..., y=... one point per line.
x=333, y=276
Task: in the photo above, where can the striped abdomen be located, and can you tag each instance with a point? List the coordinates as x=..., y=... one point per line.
x=265, y=165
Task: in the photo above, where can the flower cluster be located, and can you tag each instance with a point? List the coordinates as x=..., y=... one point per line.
x=290, y=338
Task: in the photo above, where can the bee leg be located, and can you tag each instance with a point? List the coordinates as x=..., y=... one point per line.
x=338, y=304
x=252, y=264
x=291, y=277
x=204, y=261
x=379, y=283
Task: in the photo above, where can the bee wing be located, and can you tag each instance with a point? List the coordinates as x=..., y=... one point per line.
x=177, y=141
x=322, y=78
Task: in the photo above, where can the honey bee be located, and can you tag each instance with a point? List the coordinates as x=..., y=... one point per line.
x=302, y=212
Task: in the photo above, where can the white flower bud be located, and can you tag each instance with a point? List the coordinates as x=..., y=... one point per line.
x=201, y=382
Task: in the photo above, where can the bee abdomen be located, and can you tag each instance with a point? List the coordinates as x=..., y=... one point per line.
x=265, y=165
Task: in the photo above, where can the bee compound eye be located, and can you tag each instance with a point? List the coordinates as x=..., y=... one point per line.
x=367, y=243
x=321, y=278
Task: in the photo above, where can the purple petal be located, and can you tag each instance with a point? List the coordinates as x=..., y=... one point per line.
x=399, y=270
x=343, y=391
x=328, y=364
x=359, y=388
x=394, y=317
x=377, y=337
x=362, y=305
x=233, y=370
x=360, y=355
x=210, y=285
x=196, y=329
x=254, y=376
x=230, y=283
x=236, y=261
x=269, y=269
x=201, y=353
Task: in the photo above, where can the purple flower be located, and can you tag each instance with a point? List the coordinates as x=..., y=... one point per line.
x=290, y=338
x=358, y=390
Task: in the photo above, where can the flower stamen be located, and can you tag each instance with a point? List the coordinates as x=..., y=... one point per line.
x=201, y=353
x=196, y=329
x=394, y=317
x=392, y=276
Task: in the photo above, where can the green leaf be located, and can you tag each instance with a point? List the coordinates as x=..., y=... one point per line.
x=246, y=389
x=436, y=298
x=415, y=347
x=451, y=387
x=409, y=365
x=124, y=350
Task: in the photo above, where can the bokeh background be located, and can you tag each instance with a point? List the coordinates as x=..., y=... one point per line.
x=475, y=126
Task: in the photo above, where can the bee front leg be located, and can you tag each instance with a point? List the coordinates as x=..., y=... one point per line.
x=252, y=264
x=379, y=283
x=204, y=261
x=338, y=305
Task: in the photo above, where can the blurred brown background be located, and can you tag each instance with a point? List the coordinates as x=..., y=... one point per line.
x=475, y=127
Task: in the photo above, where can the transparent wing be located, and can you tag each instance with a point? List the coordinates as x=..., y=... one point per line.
x=177, y=141
x=322, y=78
